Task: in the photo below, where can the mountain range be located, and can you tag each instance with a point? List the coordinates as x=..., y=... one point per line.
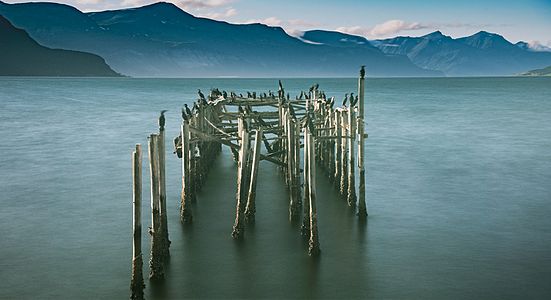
x=161, y=40
x=22, y=56
x=481, y=54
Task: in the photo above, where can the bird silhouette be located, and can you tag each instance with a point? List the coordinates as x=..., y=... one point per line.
x=184, y=115
x=188, y=111
x=162, y=120
x=201, y=95
x=345, y=99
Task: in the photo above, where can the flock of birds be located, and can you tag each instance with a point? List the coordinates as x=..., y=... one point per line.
x=216, y=94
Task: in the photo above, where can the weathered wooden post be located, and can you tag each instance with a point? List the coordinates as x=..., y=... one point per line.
x=137, y=284
x=250, y=209
x=344, y=156
x=185, y=206
x=156, y=272
x=351, y=165
x=241, y=180
x=362, y=206
x=313, y=244
x=291, y=169
x=338, y=148
x=162, y=191
x=305, y=228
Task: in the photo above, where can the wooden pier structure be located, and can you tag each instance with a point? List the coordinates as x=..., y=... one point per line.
x=258, y=126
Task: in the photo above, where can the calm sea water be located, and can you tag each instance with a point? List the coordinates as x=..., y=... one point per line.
x=458, y=191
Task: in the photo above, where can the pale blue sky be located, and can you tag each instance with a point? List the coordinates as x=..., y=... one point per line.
x=528, y=20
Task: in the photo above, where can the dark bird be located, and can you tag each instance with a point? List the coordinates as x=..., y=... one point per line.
x=288, y=97
x=316, y=86
x=241, y=109
x=224, y=94
x=184, y=115
x=355, y=100
x=188, y=111
x=162, y=120
x=240, y=95
x=301, y=95
x=362, y=72
x=254, y=95
x=351, y=99
x=195, y=107
x=280, y=85
x=249, y=94
x=345, y=99
x=201, y=95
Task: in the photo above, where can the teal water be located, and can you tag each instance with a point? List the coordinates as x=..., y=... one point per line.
x=458, y=191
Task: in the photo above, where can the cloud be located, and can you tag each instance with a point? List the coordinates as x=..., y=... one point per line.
x=230, y=12
x=390, y=27
x=270, y=21
x=201, y=4
x=395, y=26
x=539, y=46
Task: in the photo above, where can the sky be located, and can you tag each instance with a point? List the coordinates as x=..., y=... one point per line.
x=527, y=20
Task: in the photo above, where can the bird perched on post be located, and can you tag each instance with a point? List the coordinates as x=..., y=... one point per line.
x=345, y=99
x=224, y=94
x=184, y=115
x=355, y=100
x=162, y=120
x=362, y=72
x=188, y=111
x=201, y=95
x=351, y=101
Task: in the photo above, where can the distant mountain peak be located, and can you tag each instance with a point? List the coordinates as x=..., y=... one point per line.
x=162, y=5
x=435, y=35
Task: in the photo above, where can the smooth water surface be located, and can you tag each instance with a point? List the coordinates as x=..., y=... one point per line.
x=458, y=192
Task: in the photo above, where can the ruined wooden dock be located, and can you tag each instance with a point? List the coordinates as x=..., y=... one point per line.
x=257, y=126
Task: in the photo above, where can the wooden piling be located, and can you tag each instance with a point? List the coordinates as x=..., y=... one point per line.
x=250, y=209
x=362, y=205
x=344, y=155
x=165, y=244
x=291, y=169
x=351, y=194
x=313, y=244
x=305, y=228
x=185, y=205
x=338, y=148
x=137, y=284
x=156, y=271
x=241, y=181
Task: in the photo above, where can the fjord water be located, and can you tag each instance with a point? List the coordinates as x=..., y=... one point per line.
x=458, y=191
